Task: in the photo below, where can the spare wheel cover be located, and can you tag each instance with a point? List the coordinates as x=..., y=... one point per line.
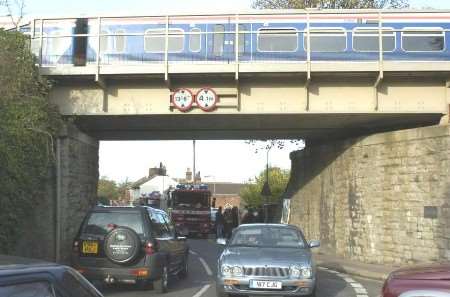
x=122, y=245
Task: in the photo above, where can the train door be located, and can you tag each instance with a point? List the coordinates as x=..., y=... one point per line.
x=221, y=41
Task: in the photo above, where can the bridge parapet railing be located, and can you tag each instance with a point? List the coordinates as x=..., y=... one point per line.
x=233, y=39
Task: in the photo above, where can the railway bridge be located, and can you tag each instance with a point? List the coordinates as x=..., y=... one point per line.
x=345, y=81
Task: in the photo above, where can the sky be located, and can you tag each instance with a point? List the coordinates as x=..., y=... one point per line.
x=66, y=7
x=233, y=161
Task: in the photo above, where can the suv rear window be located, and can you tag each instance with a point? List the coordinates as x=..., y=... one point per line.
x=100, y=223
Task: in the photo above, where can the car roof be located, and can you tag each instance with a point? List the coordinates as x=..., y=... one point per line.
x=267, y=225
x=10, y=265
x=125, y=208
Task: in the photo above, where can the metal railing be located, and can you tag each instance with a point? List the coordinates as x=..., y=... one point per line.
x=102, y=46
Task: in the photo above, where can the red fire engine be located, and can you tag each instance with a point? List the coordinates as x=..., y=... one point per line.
x=190, y=209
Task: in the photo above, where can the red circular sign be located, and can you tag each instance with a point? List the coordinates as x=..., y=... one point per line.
x=182, y=99
x=206, y=99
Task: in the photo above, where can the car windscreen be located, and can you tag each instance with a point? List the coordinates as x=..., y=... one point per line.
x=191, y=199
x=268, y=236
x=100, y=223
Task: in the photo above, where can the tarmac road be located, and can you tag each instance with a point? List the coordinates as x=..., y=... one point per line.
x=202, y=267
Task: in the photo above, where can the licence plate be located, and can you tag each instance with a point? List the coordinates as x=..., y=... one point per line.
x=270, y=285
x=90, y=247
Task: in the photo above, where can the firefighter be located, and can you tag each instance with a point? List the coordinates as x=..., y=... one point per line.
x=219, y=223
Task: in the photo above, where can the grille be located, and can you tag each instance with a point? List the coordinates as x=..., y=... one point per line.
x=266, y=271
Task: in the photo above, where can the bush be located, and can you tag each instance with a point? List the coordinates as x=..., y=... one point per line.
x=27, y=125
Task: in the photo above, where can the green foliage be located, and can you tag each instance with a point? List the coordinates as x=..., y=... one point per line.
x=107, y=190
x=278, y=179
x=330, y=4
x=27, y=123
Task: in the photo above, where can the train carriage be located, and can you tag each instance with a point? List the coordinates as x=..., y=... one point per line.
x=292, y=36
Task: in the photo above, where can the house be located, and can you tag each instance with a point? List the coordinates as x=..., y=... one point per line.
x=156, y=181
x=226, y=193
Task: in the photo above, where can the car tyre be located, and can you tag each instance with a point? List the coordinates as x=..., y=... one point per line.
x=161, y=284
x=185, y=270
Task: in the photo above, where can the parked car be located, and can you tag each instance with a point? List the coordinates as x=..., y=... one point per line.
x=136, y=245
x=429, y=277
x=28, y=277
x=262, y=259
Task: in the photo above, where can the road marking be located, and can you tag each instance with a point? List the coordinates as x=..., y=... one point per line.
x=205, y=265
x=356, y=286
x=192, y=252
x=202, y=290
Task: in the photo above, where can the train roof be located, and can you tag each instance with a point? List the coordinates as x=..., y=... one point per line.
x=234, y=13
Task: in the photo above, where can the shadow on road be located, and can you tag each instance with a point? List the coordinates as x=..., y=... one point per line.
x=329, y=285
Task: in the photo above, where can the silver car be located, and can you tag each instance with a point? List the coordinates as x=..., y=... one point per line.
x=266, y=259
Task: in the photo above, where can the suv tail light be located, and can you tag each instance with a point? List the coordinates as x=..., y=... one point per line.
x=149, y=248
x=76, y=246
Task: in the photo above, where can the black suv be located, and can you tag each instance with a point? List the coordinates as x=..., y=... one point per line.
x=29, y=277
x=137, y=245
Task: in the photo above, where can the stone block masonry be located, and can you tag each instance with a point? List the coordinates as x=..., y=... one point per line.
x=382, y=199
x=76, y=185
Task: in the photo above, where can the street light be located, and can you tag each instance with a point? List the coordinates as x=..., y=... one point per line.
x=214, y=184
x=265, y=191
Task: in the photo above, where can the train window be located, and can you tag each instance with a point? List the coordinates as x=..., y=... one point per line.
x=104, y=41
x=119, y=41
x=218, y=40
x=195, y=40
x=155, y=40
x=423, y=39
x=54, y=43
x=327, y=40
x=277, y=40
x=367, y=40
x=241, y=44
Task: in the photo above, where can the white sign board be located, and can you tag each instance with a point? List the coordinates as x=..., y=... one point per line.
x=182, y=99
x=206, y=99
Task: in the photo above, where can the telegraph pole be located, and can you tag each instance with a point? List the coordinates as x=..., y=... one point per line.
x=193, y=167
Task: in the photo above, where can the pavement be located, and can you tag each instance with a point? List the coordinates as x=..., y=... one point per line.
x=355, y=268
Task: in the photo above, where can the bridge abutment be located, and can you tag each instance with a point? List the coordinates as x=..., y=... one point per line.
x=76, y=185
x=383, y=198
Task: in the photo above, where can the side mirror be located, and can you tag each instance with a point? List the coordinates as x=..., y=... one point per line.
x=314, y=243
x=221, y=241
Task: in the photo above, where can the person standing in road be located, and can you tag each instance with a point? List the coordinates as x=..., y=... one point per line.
x=219, y=223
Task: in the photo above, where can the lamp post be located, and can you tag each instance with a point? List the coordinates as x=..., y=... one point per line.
x=265, y=191
x=214, y=185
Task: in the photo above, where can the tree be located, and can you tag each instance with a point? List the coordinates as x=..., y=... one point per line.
x=28, y=125
x=107, y=190
x=15, y=10
x=330, y=4
x=278, y=179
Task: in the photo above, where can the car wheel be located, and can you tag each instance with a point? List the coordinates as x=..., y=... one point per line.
x=184, y=271
x=162, y=284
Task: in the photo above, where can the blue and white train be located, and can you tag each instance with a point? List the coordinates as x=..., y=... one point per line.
x=349, y=35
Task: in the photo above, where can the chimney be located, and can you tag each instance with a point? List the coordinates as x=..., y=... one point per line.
x=188, y=175
x=198, y=178
x=153, y=172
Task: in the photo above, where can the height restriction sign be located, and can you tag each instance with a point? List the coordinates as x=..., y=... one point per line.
x=182, y=99
x=206, y=99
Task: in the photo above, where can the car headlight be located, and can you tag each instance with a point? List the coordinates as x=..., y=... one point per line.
x=227, y=270
x=300, y=272
x=237, y=271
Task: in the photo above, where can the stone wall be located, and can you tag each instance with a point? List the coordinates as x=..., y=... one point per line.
x=382, y=199
x=77, y=185
x=38, y=232
x=73, y=193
